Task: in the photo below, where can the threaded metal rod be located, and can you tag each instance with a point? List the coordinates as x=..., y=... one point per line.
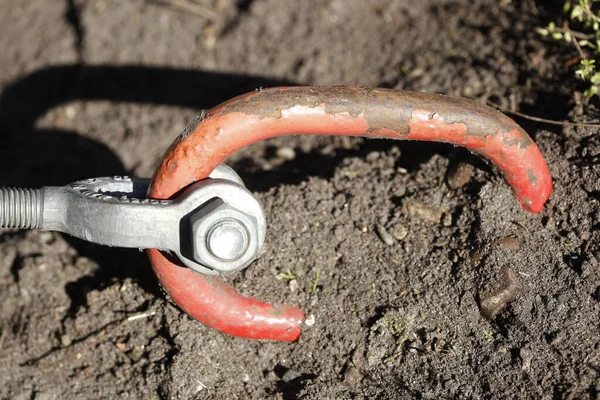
x=20, y=208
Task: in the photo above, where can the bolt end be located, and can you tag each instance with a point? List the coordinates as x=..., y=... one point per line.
x=20, y=208
x=223, y=238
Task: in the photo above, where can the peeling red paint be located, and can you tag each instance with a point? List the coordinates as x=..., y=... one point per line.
x=337, y=110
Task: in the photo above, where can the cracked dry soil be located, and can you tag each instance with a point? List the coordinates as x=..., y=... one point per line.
x=407, y=239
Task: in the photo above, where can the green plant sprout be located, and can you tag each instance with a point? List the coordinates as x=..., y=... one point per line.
x=316, y=281
x=287, y=275
x=586, y=15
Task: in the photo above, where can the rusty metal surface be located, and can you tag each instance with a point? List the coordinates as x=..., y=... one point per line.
x=381, y=108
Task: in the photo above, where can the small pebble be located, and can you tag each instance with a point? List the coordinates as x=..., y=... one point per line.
x=459, y=175
x=340, y=200
x=447, y=219
x=475, y=258
x=352, y=377
x=70, y=112
x=509, y=242
x=293, y=286
x=326, y=150
x=493, y=303
x=66, y=340
x=400, y=191
x=137, y=353
x=346, y=143
x=210, y=42
x=46, y=237
x=384, y=235
x=271, y=376
x=310, y=320
x=290, y=375
x=423, y=211
x=372, y=156
x=400, y=232
x=287, y=153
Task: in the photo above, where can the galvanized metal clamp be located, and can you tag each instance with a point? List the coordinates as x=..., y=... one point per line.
x=214, y=226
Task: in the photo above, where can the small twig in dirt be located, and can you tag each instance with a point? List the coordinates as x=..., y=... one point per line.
x=2, y=337
x=188, y=6
x=201, y=386
x=575, y=42
x=140, y=316
x=98, y=340
x=542, y=120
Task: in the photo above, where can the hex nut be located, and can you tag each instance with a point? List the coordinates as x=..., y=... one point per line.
x=223, y=238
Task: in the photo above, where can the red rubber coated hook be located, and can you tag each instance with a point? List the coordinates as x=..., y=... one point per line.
x=335, y=110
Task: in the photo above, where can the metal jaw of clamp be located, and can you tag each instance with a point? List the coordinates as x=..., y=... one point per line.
x=214, y=226
x=204, y=215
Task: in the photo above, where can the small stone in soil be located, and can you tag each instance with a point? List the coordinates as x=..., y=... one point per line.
x=310, y=320
x=459, y=175
x=70, y=112
x=293, y=286
x=384, y=235
x=290, y=375
x=346, y=143
x=352, y=377
x=447, y=219
x=137, y=353
x=400, y=232
x=66, y=340
x=475, y=258
x=425, y=212
x=46, y=237
x=493, y=303
x=372, y=156
x=287, y=153
x=509, y=242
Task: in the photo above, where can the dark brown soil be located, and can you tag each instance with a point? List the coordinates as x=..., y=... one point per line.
x=102, y=87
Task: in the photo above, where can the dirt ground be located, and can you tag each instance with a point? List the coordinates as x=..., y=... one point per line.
x=102, y=87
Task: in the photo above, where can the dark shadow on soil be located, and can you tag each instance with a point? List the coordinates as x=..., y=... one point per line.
x=35, y=157
x=290, y=382
x=73, y=17
x=317, y=164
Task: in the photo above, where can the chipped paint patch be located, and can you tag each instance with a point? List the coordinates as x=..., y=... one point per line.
x=531, y=176
x=191, y=127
